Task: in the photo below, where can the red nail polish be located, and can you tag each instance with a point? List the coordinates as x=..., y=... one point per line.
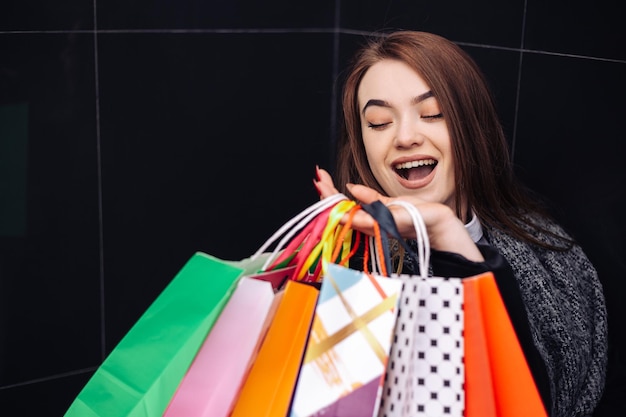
x=317, y=172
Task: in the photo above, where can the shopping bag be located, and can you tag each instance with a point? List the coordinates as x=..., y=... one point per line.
x=426, y=371
x=494, y=357
x=210, y=386
x=346, y=355
x=345, y=384
x=268, y=388
x=142, y=372
x=465, y=358
x=213, y=380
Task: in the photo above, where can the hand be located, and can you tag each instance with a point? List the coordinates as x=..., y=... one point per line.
x=446, y=232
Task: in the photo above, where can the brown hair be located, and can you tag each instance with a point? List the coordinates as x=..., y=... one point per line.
x=483, y=170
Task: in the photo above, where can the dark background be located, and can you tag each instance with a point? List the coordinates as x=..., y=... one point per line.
x=134, y=133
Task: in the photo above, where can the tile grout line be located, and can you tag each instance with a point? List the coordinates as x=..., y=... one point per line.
x=297, y=30
x=99, y=175
x=519, y=83
x=334, y=91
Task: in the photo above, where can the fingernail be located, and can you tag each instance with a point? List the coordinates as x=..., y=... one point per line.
x=349, y=186
x=317, y=172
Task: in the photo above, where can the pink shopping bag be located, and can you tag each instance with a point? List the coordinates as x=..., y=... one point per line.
x=212, y=383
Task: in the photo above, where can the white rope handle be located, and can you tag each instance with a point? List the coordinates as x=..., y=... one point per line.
x=423, y=244
x=375, y=257
x=302, y=219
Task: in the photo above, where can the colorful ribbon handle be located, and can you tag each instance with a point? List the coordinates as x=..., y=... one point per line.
x=325, y=244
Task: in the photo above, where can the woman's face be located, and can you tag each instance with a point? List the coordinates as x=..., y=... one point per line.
x=405, y=135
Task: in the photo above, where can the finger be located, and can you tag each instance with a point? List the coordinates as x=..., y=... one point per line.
x=326, y=190
x=325, y=184
x=365, y=194
x=324, y=176
x=361, y=221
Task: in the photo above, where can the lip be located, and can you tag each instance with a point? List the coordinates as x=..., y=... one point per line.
x=415, y=184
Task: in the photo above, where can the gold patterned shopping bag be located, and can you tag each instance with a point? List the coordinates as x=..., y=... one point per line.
x=348, y=347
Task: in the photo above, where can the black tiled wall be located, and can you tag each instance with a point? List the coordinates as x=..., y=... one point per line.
x=135, y=133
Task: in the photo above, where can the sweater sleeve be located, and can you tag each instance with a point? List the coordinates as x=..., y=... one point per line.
x=449, y=264
x=567, y=314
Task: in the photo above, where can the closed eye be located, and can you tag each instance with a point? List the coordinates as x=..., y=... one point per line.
x=377, y=126
x=433, y=116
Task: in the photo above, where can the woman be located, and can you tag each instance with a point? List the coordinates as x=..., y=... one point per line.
x=421, y=126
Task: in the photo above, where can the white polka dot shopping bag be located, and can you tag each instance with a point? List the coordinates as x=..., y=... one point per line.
x=426, y=372
x=455, y=351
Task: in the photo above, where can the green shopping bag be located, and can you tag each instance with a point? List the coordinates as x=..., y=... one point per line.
x=141, y=374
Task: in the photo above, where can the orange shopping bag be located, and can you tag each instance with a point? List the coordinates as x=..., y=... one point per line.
x=494, y=357
x=268, y=389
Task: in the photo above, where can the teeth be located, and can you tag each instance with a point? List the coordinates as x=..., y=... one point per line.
x=415, y=164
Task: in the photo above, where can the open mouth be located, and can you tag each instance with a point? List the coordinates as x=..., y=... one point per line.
x=415, y=170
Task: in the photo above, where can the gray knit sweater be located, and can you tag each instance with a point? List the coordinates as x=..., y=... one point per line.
x=567, y=313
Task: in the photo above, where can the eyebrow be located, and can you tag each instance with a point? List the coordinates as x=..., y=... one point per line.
x=383, y=103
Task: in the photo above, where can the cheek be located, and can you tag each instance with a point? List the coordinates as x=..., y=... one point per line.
x=375, y=155
x=376, y=152
x=449, y=158
x=375, y=146
x=440, y=138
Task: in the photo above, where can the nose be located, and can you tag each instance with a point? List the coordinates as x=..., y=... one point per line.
x=408, y=133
